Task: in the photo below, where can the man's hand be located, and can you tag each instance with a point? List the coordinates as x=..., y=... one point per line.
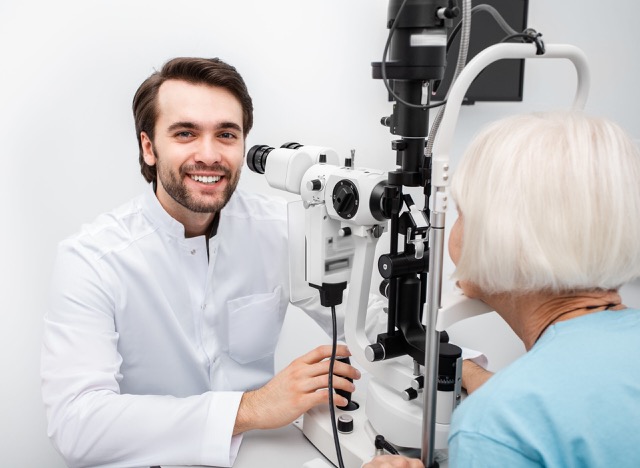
x=299, y=387
x=393, y=461
x=473, y=376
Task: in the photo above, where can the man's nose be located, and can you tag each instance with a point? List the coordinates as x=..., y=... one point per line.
x=208, y=153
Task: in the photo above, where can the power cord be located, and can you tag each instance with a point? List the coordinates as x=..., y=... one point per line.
x=531, y=36
x=332, y=408
x=528, y=35
x=486, y=8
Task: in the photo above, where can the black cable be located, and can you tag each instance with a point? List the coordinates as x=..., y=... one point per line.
x=495, y=14
x=383, y=67
x=515, y=36
x=529, y=36
x=454, y=33
x=526, y=37
x=332, y=408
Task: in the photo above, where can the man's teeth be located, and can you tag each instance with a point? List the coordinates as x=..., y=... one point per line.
x=206, y=179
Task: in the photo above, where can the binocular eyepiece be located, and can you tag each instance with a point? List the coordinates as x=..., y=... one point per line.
x=257, y=155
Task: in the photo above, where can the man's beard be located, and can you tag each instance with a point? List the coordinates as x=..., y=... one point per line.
x=174, y=186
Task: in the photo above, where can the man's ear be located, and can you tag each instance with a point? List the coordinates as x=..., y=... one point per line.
x=147, y=149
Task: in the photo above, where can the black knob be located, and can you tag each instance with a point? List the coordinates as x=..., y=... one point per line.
x=418, y=383
x=447, y=360
x=385, y=266
x=345, y=424
x=384, y=288
x=374, y=352
x=314, y=185
x=451, y=13
x=409, y=394
x=345, y=199
x=398, y=145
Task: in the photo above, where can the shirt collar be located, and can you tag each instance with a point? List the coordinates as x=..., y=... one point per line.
x=158, y=216
x=165, y=221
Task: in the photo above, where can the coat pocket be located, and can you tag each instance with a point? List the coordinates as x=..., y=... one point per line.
x=254, y=326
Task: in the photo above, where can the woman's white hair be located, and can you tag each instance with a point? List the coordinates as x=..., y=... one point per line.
x=550, y=201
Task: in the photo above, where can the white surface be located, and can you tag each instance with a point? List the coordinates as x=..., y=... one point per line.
x=358, y=447
x=284, y=447
x=317, y=463
x=69, y=71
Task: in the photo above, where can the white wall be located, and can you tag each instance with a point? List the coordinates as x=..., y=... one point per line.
x=68, y=73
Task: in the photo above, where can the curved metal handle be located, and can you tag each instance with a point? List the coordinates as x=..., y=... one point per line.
x=444, y=138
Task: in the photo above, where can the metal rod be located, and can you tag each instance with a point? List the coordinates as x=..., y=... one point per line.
x=434, y=283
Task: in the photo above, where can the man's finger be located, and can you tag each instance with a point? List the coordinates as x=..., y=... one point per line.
x=339, y=368
x=322, y=381
x=323, y=352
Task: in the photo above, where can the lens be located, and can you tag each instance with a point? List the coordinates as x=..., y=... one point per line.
x=257, y=157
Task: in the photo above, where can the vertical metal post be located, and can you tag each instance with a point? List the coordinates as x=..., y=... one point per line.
x=434, y=284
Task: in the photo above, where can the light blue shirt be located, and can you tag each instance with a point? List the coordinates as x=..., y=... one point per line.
x=572, y=401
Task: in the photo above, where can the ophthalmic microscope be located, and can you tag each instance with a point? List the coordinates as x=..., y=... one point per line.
x=414, y=383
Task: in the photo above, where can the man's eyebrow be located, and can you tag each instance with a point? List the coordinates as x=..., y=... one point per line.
x=194, y=126
x=229, y=125
x=179, y=125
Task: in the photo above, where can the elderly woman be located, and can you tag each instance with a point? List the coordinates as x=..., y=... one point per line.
x=547, y=233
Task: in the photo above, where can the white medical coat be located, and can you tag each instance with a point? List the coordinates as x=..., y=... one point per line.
x=149, y=343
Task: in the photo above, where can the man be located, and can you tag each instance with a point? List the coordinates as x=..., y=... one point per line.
x=165, y=313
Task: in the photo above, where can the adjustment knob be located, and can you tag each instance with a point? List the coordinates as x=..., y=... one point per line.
x=345, y=199
x=409, y=394
x=345, y=424
x=418, y=383
x=314, y=185
x=384, y=288
x=374, y=352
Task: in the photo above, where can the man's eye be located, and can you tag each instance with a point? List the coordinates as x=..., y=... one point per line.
x=184, y=134
x=227, y=135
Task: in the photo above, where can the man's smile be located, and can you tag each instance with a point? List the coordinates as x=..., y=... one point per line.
x=206, y=179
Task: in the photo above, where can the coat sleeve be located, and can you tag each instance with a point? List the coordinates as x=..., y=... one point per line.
x=89, y=421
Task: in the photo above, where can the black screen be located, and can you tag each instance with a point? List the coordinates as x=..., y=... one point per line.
x=502, y=80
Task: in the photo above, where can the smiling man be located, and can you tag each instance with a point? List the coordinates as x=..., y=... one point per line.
x=197, y=151
x=165, y=313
